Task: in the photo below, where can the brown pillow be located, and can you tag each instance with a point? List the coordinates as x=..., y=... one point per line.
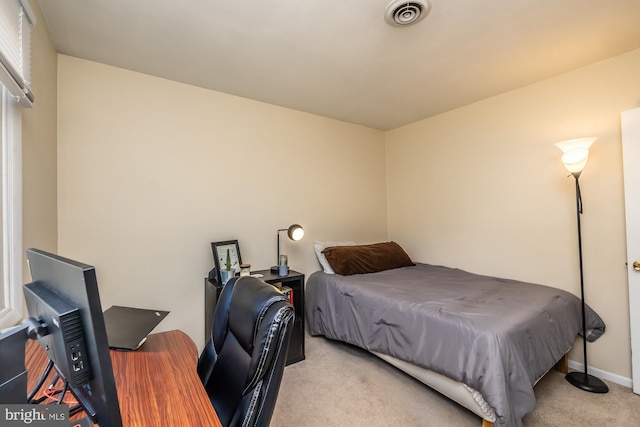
x=347, y=260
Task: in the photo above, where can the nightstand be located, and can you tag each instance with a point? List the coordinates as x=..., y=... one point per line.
x=294, y=280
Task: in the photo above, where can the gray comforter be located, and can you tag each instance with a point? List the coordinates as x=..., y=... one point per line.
x=497, y=336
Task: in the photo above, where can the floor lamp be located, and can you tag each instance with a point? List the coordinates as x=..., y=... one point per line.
x=574, y=158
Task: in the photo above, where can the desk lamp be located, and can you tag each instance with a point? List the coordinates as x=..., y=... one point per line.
x=295, y=233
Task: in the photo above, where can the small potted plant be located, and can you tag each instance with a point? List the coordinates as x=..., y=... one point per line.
x=226, y=273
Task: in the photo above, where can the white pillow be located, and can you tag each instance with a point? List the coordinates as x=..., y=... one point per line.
x=319, y=247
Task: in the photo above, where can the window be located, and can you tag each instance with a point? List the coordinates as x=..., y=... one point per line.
x=11, y=203
x=16, y=18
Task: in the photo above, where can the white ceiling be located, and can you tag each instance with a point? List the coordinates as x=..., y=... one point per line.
x=339, y=58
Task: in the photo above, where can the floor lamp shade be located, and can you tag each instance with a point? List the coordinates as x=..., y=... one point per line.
x=575, y=153
x=574, y=157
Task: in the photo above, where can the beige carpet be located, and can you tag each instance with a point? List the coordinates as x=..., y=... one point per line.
x=340, y=385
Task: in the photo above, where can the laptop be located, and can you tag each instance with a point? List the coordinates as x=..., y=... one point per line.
x=128, y=327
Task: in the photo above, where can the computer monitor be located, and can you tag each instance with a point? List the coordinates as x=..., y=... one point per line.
x=65, y=311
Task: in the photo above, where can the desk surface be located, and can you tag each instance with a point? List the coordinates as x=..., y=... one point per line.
x=158, y=384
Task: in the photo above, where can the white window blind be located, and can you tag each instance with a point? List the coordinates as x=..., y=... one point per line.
x=16, y=20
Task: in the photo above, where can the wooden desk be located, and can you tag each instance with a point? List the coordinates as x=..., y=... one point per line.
x=158, y=384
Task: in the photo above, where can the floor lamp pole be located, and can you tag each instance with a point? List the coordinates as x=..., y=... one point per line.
x=583, y=380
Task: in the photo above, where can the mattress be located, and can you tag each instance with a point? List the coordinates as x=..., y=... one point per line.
x=494, y=335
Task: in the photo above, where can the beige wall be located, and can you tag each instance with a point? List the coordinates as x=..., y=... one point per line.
x=482, y=188
x=150, y=172
x=39, y=160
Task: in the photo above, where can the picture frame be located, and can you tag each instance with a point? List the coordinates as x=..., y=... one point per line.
x=219, y=250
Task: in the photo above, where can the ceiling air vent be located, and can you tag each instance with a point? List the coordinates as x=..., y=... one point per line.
x=401, y=13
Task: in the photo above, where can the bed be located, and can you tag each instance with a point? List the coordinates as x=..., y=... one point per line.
x=482, y=341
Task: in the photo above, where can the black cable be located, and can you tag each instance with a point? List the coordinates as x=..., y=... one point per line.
x=54, y=381
x=63, y=392
x=44, y=397
x=40, y=399
x=43, y=377
x=56, y=378
x=47, y=370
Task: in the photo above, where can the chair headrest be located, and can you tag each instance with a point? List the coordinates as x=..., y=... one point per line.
x=252, y=306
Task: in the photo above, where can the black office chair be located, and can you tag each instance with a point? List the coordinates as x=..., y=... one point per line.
x=242, y=364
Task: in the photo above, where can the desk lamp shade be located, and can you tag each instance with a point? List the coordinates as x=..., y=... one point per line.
x=295, y=233
x=574, y=157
